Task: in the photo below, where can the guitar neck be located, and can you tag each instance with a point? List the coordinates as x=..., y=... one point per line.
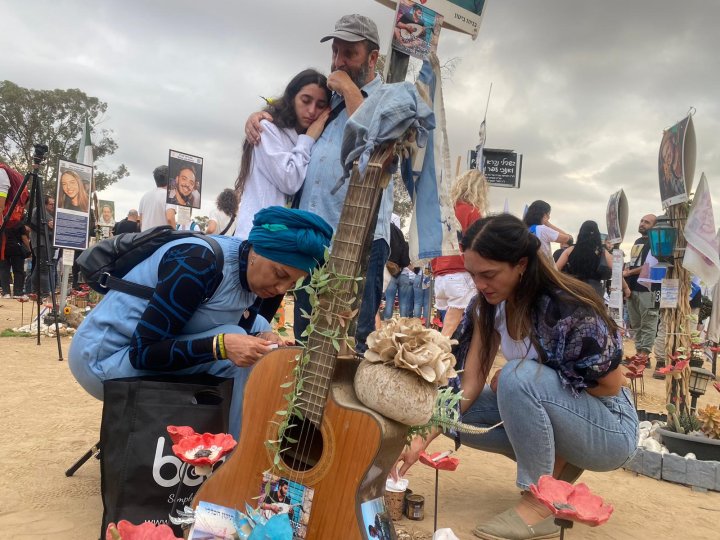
x=350, y=246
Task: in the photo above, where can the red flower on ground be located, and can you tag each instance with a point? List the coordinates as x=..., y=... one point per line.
x=444, y=463
x=202, y=451
x=575, y=503
x=145, y=531
x=677, y=367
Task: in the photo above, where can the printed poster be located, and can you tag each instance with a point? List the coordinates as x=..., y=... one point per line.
x=676, y=162
x=184, y=179
x=417, y=29
x=669, y=293
x=106, y=217
x=462, y=15
x=285, y=496
x=617, y=216
x=376, y=520
x=72, y=205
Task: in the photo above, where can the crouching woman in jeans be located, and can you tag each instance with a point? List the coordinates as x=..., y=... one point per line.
x=190, y=325
x=560, y=396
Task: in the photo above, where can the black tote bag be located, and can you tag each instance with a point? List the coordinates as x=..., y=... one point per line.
x=139, y=472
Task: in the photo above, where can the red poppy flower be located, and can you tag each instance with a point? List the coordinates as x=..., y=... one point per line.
x=444, y=463
x=677, y=367
x=22, y=299
x=145, y=531
x=575, y=503
x=697, y=346
x=203, y=451
x=179, y=432
x=437, y=322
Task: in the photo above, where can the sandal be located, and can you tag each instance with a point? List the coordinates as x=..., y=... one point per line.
x=510, y=526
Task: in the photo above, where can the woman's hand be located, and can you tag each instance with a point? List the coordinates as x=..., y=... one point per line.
x=244, y=351
x=411, y=454
x=253, y=127
x=316, y=128
x=272, y=337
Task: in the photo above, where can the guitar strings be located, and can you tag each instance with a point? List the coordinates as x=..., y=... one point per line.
x=368, y=197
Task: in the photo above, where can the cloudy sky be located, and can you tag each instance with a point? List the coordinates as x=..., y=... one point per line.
x=582, y=89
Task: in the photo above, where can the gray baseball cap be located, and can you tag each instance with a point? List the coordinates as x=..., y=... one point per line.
x=354, y=28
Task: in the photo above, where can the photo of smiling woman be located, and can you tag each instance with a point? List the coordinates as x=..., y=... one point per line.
x=72, y=193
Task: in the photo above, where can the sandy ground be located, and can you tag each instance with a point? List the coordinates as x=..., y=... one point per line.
x=48, y=422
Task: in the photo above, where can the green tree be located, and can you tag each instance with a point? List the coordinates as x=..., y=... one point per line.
x=55, y=118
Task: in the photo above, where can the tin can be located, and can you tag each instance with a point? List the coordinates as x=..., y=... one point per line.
x=415, y=507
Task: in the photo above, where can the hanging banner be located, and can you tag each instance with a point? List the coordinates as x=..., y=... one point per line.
x=676, y=162
x=461, y=15
x=72, y=211
x=617, y=217
x=701, y=253
x=184, y=179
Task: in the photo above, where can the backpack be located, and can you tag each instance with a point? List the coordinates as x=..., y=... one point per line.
x=16, y=180
x=105, y=263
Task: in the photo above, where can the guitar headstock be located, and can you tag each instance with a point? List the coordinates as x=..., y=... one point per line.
x=383, y=157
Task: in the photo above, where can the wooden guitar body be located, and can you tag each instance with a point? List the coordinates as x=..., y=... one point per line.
x=371, y=441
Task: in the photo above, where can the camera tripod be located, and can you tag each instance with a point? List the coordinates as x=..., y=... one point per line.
x=39, y=224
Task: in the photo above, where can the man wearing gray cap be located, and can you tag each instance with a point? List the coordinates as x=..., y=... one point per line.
x=355, y=49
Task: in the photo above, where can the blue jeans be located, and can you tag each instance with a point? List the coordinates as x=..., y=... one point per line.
x=401, y=285
x=421, y=297
x=542, y=419
x=370, y=303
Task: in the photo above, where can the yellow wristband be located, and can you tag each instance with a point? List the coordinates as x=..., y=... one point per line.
x=221, y=341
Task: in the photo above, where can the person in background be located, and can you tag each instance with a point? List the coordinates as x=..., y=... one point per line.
x=453, y=285
x=401, y=279
x=537, y=218
x=129, y=224
x=17, y=249
x=559, y=251
x=560, y=395
x=223, y=218
x=153, y=209
x=421, y=292
x=190, y=325
x=588, y=260
x=642, y=306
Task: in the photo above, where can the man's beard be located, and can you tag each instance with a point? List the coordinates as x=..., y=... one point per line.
x=359, y=76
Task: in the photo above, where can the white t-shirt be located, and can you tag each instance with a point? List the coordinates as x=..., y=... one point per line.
x=546, y=235
x=512, y=349
x=4, y=183
x=152, y=208
x=279, y=164
x=222, y=220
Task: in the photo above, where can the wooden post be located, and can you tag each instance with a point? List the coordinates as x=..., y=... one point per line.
x=676, y=319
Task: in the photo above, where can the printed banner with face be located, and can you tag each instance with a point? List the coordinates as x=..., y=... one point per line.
x=462, y=15
x=617, y=216
x=106, y=217
x=72, y=210
x=184, y=179
x=417, y=29
x=676, y=162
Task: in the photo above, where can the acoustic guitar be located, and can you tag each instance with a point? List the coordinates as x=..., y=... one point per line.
x=337, y=458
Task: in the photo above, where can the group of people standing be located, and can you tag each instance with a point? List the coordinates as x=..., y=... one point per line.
x=559, y=395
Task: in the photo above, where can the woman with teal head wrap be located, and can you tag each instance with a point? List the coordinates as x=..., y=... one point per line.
x=285, y=244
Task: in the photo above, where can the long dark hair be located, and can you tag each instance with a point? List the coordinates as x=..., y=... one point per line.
x=505, y=238
x=283, y=112
x=536, y=212
x=583, y=260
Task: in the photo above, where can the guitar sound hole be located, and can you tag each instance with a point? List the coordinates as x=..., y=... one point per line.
x=304, y=454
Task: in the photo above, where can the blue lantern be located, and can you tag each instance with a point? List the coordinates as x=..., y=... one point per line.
x=663, y=237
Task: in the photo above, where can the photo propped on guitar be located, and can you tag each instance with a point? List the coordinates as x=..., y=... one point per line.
x=340, y=453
